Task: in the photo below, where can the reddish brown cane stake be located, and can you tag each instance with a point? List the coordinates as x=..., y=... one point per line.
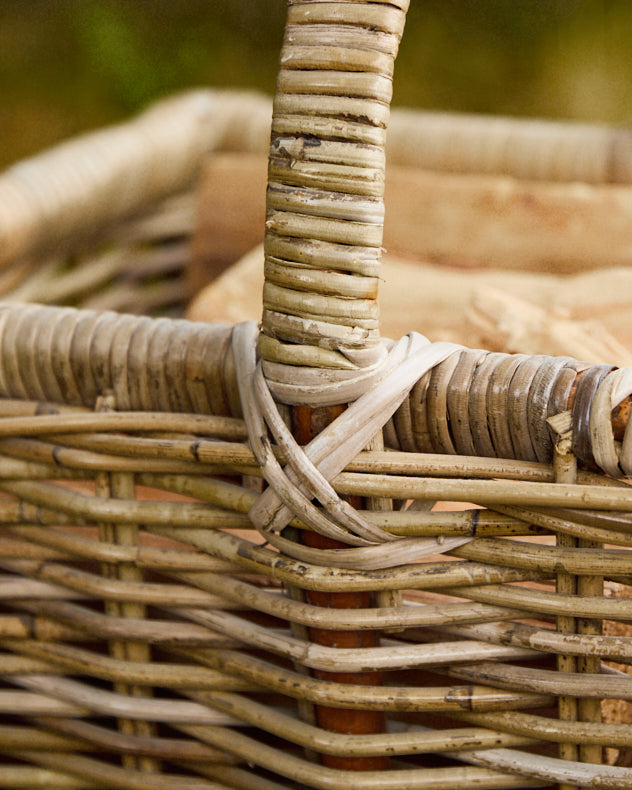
x=307, y=423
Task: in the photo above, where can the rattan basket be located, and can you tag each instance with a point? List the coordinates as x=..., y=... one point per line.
x=106, y=221
x=208, y=580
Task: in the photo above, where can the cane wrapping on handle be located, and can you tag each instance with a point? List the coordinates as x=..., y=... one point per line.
x=326, y=185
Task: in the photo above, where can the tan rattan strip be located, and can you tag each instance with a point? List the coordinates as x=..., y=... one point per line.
x=75, y=189
x=150, y=636
x=75, y=356
x=326, y=180
x=53, y=354
x=524, y=148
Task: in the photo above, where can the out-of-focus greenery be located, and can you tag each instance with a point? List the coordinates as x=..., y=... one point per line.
x=552, y=58
x=71, y=65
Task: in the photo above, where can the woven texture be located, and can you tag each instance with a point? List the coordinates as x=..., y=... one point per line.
x=105, y=221
x=306, y=557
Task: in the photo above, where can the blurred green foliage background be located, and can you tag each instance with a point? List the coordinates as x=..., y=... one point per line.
x=70, y=65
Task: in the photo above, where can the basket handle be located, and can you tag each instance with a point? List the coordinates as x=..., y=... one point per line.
x=325, y=207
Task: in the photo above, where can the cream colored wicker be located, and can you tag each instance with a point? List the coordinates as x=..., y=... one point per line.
x=105, y=221
x=170, y=622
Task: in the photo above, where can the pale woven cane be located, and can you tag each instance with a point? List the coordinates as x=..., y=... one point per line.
x=171, y=621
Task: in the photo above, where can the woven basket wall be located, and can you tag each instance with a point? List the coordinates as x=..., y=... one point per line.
x=189, y=600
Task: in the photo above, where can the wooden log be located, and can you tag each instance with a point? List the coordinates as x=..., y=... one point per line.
x=586, y=315
x=491, y=220
x=513, y=324
x=469, y=220
x=230, y=214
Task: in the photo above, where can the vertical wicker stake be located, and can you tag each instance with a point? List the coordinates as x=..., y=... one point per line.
x=307, y=423
x=323, y=242
x=565, y=465
x=122, y=485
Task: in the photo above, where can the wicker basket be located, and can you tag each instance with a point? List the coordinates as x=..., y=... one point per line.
x=169, y=621
x=105, y=221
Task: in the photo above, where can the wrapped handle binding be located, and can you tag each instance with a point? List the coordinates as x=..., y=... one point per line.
x=325, y=209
